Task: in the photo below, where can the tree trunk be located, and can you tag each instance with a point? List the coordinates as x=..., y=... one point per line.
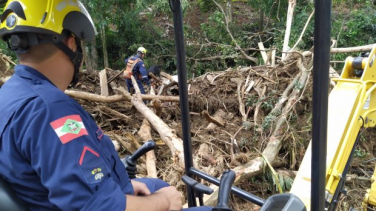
x=104, y=46
x=290, y=13
x=168, y=135
x=94, y=55
x=261, y=23
x=145, y=135
x=85, y=51
x=352, y=49
x=114, y=98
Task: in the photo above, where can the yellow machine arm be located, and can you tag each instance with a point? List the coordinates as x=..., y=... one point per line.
x=352, y=105
x=369, y=202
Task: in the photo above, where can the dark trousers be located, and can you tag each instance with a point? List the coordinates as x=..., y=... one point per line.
x=130, y=85
x=156, y=184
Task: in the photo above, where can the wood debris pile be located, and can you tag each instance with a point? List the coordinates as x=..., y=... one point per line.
x=239, y=117
x=235, y=115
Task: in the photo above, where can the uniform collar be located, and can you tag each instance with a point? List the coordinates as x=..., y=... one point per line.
x=30, y=73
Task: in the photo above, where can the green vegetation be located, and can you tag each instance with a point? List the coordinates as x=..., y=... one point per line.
x=124, y=25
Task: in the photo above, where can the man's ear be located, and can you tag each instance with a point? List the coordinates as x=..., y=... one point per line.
x=71, y=43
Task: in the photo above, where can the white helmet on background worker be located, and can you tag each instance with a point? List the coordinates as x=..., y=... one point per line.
x=141, y=50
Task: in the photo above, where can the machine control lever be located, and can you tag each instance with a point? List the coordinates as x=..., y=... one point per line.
x=130, y=161
x=198, y=187
x=226, y=182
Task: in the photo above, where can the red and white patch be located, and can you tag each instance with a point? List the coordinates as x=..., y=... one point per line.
x=69, y=128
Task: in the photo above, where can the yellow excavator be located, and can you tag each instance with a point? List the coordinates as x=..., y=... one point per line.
x=352, y=106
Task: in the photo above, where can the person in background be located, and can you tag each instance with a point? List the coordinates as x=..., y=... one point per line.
x=135, y=66
x=52, y=153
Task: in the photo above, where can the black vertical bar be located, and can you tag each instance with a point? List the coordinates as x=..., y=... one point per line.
x=321, y=61
x=183, y=93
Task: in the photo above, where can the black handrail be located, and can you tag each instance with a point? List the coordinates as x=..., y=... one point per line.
x=237, y=191
x=321, y=61
x=319, y=110
x=175, y=6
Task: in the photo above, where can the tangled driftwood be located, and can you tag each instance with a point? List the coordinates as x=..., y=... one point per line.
x=231, y=103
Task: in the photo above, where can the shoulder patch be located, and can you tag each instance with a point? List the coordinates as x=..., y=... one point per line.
x=92, y=166
x=69, y=128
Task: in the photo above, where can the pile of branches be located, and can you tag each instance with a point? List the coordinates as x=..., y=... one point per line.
x=239, y=119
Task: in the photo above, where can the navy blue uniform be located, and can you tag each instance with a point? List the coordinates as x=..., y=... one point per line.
x=53, y=154
x=139, y=72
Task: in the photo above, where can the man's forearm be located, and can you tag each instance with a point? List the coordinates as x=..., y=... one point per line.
x=153, y=202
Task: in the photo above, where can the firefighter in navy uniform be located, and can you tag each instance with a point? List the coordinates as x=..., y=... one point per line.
x=52, y=153
x=135, y=66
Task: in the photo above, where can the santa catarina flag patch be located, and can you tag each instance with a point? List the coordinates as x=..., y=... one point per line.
x=69, y=128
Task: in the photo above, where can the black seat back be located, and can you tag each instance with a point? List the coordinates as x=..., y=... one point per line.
x=283, y=202
x=9, y=201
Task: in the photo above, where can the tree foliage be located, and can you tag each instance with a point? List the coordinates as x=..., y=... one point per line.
x=127, y=24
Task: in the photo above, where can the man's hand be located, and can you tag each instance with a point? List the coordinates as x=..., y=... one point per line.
x=173, y=196
x=167, y=198
x=140, y=188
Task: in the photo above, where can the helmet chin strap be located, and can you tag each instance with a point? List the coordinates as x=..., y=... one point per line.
x=75, y=58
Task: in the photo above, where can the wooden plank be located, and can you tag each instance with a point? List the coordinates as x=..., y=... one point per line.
x=263, y=53
x=273, y=58
x=103, y=82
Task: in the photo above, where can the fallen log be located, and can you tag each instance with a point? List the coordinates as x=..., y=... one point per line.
x=364, y=48
x=145, y=134
x=168, y=136
x=157, y=80
x=168, y=76
x=116, y=98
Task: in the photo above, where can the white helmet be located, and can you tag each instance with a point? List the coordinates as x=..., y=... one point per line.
x=141, y=50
